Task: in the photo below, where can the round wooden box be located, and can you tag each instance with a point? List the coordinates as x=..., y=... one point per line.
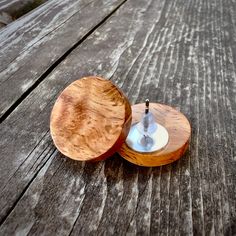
x=91, y=119
x=178, y=129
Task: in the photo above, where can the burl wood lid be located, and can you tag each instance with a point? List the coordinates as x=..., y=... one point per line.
x=90, y=119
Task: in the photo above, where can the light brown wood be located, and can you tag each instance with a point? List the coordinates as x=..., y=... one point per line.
x=179, y=131
x=90, y=119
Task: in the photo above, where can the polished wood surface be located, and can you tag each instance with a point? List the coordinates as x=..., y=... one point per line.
x=178, y=129
x=90, y=119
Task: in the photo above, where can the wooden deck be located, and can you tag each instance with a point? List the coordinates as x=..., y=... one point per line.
x=181, y=53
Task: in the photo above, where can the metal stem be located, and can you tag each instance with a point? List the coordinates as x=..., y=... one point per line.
x=147, y=106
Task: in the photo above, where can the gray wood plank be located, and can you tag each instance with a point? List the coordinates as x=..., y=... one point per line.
x=32, y=45
x=175, y=53
x=25, y=32
x=17, y=7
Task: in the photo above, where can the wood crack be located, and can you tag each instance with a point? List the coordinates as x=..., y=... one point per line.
x=55, y=29
x=54, y=65
x=24, y=191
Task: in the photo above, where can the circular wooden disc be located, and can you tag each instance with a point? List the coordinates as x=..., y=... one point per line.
x=179, y=131
x=90, y=119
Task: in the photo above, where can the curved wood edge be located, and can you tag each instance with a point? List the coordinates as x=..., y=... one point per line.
x=168, y=154
x=57, y=116
x=160, y=160
x=125, y=131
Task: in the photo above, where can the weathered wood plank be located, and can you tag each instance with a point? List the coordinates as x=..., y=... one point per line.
x=5, y=5
x=9, y=5
x=172, y=52
x=27, y=31
x=17, y=8
x=33, y=44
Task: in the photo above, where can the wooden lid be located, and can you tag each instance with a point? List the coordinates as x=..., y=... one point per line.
x=179, y=131
x=90, y=119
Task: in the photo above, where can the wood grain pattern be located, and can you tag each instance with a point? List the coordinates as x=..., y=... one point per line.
x=180, y=53
x=90, y=119
x=32, y=46
x=18, y=8
x=179, y=131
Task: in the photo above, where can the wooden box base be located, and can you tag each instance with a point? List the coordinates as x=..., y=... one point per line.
x=179, y=131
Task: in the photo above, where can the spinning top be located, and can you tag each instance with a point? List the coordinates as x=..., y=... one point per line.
x=91, y=120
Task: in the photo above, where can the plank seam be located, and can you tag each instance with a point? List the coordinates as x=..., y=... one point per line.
x=54, y=65
x=38, y=143
x=24, y=191
x=45, y=35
